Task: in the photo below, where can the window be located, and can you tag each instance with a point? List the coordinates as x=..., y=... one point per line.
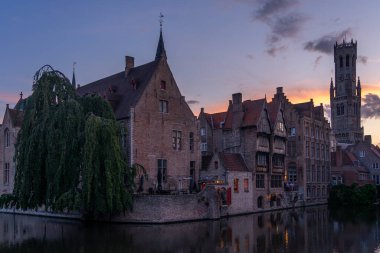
x=318, y=173
x=276, y=181
x=292, y=131
x=340, y=61
x=161, y=171
x=203, y=131
x=163, y=85
x=278, y=160
x=216, y=165
x=245, y=184
x=6, y=174
x=164, y=106
x=323, y=174
x=375, y=165
x=312, y=173
x=306, y=131
x=318, y=151
x=312, y=153
x=260, y=183
x=204, y=146
x=317, y=133
x=362, y=153
x=308, y=173
x=236, y=185
x=261, y=159
x=347, y=60
x=177, y=140
x=307, y=149
x=322, y=152
x=191, y=141
x=280, y=127
x=6, y=137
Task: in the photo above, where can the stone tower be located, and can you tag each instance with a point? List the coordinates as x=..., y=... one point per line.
x=345, y=96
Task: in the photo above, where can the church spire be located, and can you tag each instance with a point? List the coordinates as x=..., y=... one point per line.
x=73, y=82
x=160, y=47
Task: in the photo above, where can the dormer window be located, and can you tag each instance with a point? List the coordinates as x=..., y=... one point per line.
x=163, y=85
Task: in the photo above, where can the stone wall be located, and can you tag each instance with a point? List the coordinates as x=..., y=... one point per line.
x=172, y=208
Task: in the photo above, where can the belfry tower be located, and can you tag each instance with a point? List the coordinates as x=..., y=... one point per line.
x=345, y=96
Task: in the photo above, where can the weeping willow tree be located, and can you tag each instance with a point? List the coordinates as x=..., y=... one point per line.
x=68, y=152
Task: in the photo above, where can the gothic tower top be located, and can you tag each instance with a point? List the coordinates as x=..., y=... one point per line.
x=345, y=98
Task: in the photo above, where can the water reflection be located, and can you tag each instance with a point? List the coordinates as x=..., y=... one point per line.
x=313, y=229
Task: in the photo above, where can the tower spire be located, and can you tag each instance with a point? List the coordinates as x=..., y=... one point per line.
x=160, y=47
x=73, y=82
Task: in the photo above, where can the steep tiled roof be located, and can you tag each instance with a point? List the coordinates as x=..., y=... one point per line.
x=273, y=108
x=16, y=117
x=120, y=90
x=252, y=111
x=233, y=162
x=215, y=119
x=304, y=108
x=229, y=116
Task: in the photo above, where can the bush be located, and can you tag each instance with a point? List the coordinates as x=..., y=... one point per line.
x=342, y=195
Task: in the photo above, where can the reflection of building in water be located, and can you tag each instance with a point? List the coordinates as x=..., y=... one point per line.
x=313, y=229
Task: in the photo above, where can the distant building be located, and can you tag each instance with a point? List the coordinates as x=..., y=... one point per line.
x=368, y=156
x=346, y=169
x=12, y=122
x=161, y=132
x=308, y=149
x=345, y=96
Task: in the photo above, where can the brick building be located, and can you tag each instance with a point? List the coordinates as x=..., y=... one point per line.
x=347, y=169
x=12, y=121
x=254, y=130
x=308, y=153
x=368, y=156
x=160, y=129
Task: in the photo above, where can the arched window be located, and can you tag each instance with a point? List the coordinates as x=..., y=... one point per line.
x=340, y=61
x=6, y=138
x=353, y=60
x=342, y=109
x=260, y=202
x=347, y=60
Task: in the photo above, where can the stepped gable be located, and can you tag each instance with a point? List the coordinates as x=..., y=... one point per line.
x=122, y=91
x=233, y=162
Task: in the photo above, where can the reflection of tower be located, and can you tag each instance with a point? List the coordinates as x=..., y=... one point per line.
x=345, y=97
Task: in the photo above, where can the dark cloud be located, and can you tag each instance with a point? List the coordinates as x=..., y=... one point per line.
x=288, y=26
x=371, y=106
x=325, y=44
x=250, y=56
x=270, y=7
x=274, y=50
x=327, y=110
x=193, y=102
x=362, y=59
x=317, y=60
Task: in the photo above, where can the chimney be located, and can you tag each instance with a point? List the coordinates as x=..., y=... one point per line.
x=129, y=64
x=368, y=140
x=237, y=102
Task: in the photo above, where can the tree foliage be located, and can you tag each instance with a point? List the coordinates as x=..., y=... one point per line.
x=342, y=195
x=68, y=152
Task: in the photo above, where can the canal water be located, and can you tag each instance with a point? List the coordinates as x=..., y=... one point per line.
x=313, y=229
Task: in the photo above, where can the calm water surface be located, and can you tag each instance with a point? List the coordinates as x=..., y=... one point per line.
x=314, y=229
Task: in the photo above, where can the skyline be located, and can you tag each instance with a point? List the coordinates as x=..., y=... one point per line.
x=214, y=48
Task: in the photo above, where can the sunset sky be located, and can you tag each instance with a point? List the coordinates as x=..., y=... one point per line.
x=214, y=48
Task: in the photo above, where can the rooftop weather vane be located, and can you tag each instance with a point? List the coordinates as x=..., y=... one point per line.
x=161, y=19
